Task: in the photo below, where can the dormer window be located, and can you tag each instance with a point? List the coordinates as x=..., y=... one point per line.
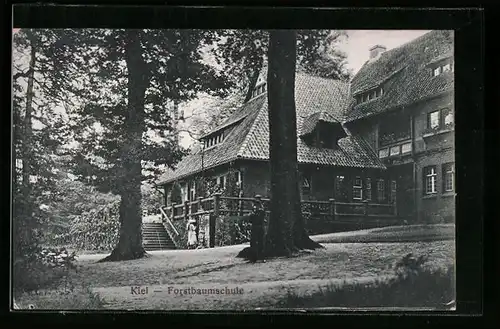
x=441, y=66
x=213, y=140
x=322, y=130
x=369, y=95
x=259, y=89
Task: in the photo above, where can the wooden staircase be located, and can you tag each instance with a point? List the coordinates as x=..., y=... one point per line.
x=155, y=237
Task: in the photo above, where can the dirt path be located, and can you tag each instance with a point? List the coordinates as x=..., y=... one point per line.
x=263, y=284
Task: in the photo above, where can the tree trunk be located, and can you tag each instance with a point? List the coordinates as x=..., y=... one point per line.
x=286, y=232
x=24, y=223
x=130, y=241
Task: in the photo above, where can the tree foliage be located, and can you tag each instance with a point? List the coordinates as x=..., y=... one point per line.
x=39, y=132
x=243, y=54
x=120, y=112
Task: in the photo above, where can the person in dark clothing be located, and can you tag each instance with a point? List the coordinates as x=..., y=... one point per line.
x=257, y=235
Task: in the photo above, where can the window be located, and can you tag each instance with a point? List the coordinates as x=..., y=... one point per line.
x=433, y=120
x=381, y=190
x=306, y=183
x=449, y=177
x=442, y=67
x=406, y=148
x=184, y=192
x=357, y=193
x=222, y=181
x=440, y=119
x=383, y=153
x=239, y=179
x=393, y=191
x=214, y=140
x=340, y=188
x=447, y=116
x=430, y=180
x=395, y=150
x=369, y=95
x=368, y=189
x=193, y=191
x=437, y=71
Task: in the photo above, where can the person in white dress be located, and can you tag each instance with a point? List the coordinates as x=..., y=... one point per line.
x=191, y=229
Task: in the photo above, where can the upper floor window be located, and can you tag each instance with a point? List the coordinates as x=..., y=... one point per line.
x=214, y=140
x=439, y=119
x=441, y=67
x=259, y=89
x=369, y=95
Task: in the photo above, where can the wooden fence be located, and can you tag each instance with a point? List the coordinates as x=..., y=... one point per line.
x=222, y=205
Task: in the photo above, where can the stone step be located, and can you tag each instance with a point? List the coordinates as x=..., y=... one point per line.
x=150, y=242
x=158, y=248
x=154, y=231
x=155, y=237
x=159, y=244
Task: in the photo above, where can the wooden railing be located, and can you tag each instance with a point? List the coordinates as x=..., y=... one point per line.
x=241, y=206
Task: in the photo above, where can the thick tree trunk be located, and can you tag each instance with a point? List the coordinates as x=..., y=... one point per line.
x=286, y=232
x=130, y=241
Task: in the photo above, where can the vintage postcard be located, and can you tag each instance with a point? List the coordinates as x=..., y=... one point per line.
x=179, y=169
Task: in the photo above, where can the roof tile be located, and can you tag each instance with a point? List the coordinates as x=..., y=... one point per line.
x=249, y=138
x=404, y=73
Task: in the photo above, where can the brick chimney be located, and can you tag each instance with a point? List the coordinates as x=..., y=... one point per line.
x=376, y=51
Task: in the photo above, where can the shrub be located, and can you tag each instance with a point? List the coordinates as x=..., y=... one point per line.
x=58, y=257
x=43, y=270
x=231, y=230
x=96, y=230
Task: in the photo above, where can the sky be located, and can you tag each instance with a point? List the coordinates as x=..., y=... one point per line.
x=359, y=41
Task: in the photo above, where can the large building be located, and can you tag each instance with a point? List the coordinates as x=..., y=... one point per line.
x=385, y=136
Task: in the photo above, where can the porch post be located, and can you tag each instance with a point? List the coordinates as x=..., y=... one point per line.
x=186, y=210
x=332, y=208
x=365, y=207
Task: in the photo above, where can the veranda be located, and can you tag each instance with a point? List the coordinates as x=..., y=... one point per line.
x=320, y=216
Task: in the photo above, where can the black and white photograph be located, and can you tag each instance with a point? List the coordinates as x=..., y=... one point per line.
x=233, y=169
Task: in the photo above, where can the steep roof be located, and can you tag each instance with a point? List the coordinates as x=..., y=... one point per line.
x=248, y=136
x=404, y=75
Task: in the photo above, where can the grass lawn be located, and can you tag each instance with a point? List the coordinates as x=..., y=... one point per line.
x=406, y=233
x=259, y=284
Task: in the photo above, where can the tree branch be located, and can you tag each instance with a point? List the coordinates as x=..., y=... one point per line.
x=21, y=74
